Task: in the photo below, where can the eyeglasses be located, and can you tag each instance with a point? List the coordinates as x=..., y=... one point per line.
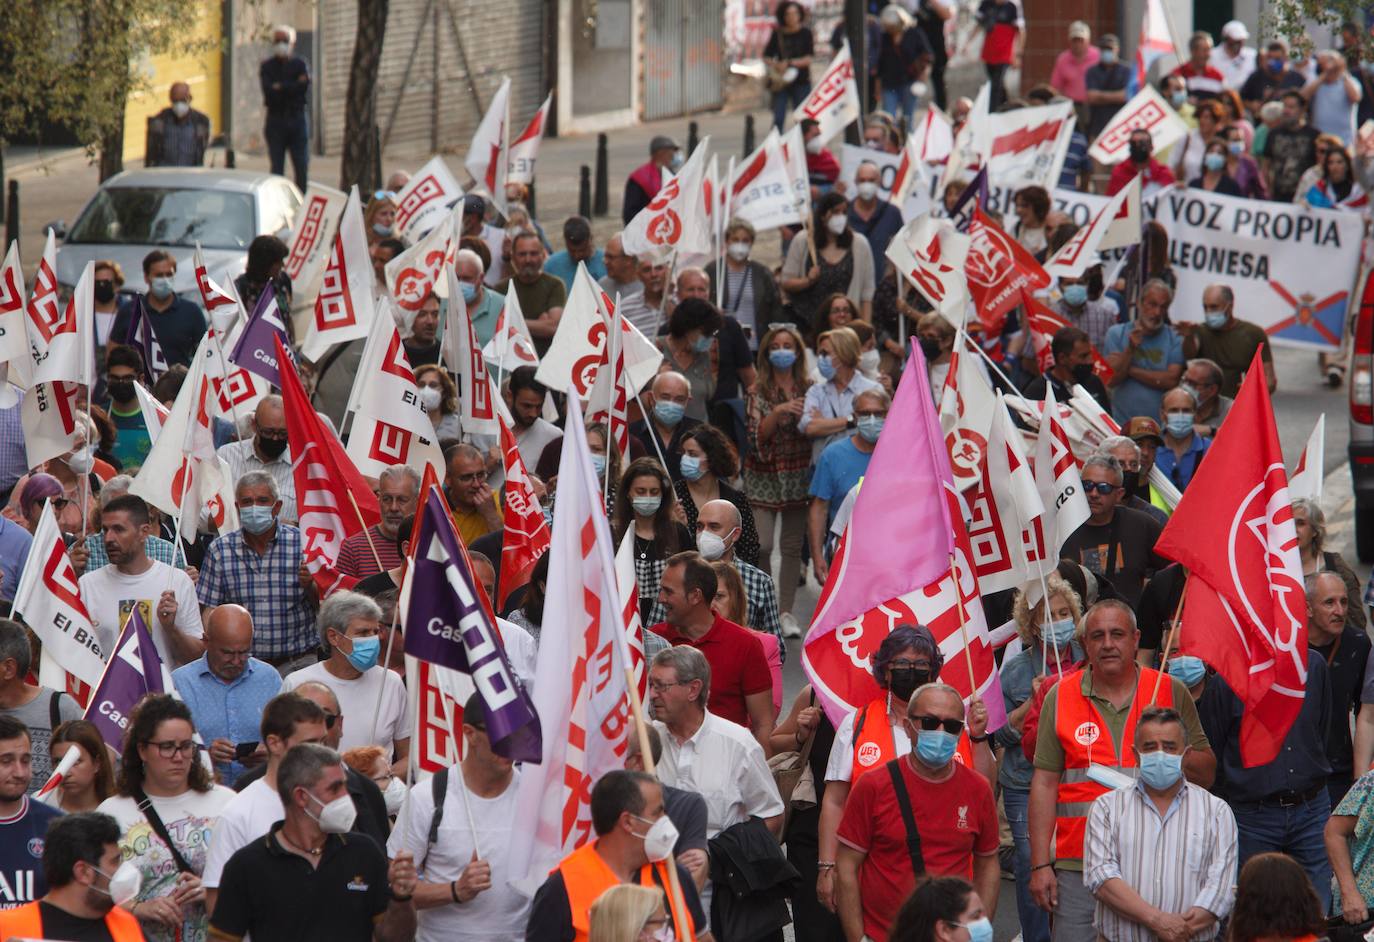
x=170, y=747
x=1101, y=487
x=931, y=723
x=658, y=686
x=782, y=325
x=384, y=195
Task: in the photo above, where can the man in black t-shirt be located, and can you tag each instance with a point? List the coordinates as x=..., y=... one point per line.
x=1271, y=78
x=1289, y=149
x=1115, y=542
x=1345, y=648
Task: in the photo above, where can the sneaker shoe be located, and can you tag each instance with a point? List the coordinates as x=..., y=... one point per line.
x=1335, y=375
x=790, y=628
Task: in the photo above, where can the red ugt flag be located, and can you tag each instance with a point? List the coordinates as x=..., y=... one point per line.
x=527, y=534
x=1246, y=609
x=327, y=484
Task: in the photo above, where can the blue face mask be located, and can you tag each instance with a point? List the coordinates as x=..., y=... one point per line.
x=381, y=230
x=1235, y=147
x=1214, y=162
x=1215, y=320
x=256, y=518
x=161, y=287
x=1178, y=99
x=1059, y=633
x=1188, y=669
x=935, y=747
x=1107, y=57
x=703, y=343
x=1274, y=65
x=1160, y=770
x=980, y=930
x=782, y=358
x=469, y=291
x=598, y=464
x=870, y=427
x=1075, y=295
x=691, y=468
x=1179, y=424
x=364, y=653
x=669, y=413
x=826, y=366
x=646, y=506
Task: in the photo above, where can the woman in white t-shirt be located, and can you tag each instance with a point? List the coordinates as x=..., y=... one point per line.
x=166, y=807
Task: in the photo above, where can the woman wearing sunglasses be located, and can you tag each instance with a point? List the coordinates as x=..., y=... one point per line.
x=869, y=738
x=166, y=808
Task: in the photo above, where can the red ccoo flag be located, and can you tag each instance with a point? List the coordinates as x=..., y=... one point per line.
x=527, y=534
x=332, y=497
x=1246, y=609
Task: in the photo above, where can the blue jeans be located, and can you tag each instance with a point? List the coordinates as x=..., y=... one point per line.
x=1295, y=831
x=900, y=102
x=786, y=101
x=289, y=133
x=1035, y=922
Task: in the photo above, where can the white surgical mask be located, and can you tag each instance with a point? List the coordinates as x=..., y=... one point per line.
x=125, y=882
x=815, y=145
x=868, y=362
x=429, y=397
x=337, y=816
x=837, y=223
x=394, y=794
x=660, y=839
x=867, y=190
x=181, y=108
x=710, y=546
x=81, y=461
x=282, y=49
x=739, y=251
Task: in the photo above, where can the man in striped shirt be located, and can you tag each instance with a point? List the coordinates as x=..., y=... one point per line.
x=1160, y=857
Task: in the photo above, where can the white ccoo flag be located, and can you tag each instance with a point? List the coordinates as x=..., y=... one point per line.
x=61, y=336
x=390, y=426
x=1309, y=474
x=675, y=219
x=15, y=361
x=344, y=309
x=834, y=100
x=489, y=151
x=424, y=202
x=524, y=150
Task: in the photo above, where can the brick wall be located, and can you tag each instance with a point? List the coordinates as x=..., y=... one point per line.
x=497, y=38
x=1047, y=31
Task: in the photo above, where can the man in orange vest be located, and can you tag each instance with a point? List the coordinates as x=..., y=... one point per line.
x=86, y=885
x=1083, y=750
x=634, y=840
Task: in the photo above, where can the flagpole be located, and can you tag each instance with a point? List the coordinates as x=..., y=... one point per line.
x=610, y=397
x=367, y=532
x=995, y=368
x=386, y=664
x=653, y=436
x=663, y=301
x=1169, y=639
x=963, y=627
x=181, y=515
x=454, y=732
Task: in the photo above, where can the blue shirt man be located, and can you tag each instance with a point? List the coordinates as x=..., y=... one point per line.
x=577, y=236
x=14, y=553
x=226, y=689
x=1183, y=447
x=839, y=468
x=1146, y=356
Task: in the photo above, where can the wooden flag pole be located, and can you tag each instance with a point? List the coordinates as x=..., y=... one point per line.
x=366, y=532
x=963, y=627
x=1169, y=640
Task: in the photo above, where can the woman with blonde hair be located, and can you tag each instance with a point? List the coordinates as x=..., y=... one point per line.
x=379, y=219
x=630, y=913
x=440, y=398
x=829, y=404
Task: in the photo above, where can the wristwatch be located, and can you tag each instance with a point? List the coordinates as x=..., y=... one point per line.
x=850, y=422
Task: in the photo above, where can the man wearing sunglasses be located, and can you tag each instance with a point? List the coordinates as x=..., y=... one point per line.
x=1116, y=542
x=922, y=813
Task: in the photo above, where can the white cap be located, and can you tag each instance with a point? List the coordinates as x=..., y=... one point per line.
x=1235, y=30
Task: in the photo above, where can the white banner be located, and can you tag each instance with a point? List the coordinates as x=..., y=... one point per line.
x=1292, y=269
x=423, y=204
x=1026, y=147
x=49, y=598
x=1147, y=110
x=761, y=190
x=312, y=234
x=834, y=100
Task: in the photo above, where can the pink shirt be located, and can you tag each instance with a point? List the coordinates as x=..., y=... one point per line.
x=1069, y=71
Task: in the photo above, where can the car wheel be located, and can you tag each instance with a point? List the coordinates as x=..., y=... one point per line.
x=1364, y=533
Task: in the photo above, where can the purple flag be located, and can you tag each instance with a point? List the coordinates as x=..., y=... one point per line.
x=133, y=672
x=255, y=351
x=141, y=337
x=449, y=623
x=974, y=195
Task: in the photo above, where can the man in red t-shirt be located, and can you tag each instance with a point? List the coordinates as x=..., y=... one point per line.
x=1203, y=80
x=1141, y=162
x=953, y=813
x=741, y=684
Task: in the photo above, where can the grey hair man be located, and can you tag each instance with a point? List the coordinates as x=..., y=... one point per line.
x=374, y=550
x=1115, y=542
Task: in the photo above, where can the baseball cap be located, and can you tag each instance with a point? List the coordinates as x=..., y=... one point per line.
x=662, y=142
x=1235, y=30
x=1108, y=41
x=474, y=205
x=1142, y=426
x=1079, y=30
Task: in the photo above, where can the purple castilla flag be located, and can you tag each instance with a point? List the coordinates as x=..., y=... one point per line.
x=255, y=351
x=449, y=623
x=141, y=337
x=974, y=195
x=134, y=671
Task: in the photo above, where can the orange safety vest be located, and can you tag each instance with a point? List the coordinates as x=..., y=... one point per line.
x=873, y=745
x=586, y=876
x=26, y=922
x=1086, y=740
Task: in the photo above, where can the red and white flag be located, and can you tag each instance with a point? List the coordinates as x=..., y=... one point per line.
x=578, y=349
x=1007, y=532
x=390, y=427
x=1044, y=323
x=1027, y=146
x=477, y=395
x=761, y=189
x=580, y=688
x=524, y=150
x=61, y=336
x=1246, y=608
x=931, y=254
x=59, y=774
x=934, y=137
x=1309, y=473
x=511, y=345
x=489, y=152
x=1156, y=39
x=629, y=594
x=999, y=272
x=527, y=534
x=1057, y=479
x=344, y=308
x=911, y=171
x=1115, y=225
x=608, y=399
x=966, y=406
x=223, y=305
x=794, y=157
x=423, y=203
x=1147, y=110
x=332, y=498
x=48, y=415
x=675, y=219
x=834, y=100
x=15, y=359
x=49, y=597
x=312, y=233
x=413, y=274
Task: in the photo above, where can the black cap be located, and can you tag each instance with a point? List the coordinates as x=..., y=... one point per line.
x=474, y=205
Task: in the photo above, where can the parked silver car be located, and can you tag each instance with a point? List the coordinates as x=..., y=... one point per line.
x=173, y=208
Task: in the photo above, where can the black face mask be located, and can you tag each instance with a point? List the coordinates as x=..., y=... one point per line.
x=930, y=347
x=271, y=447
x=121, y=390
x=1139, y=152
x=1137, y=485
x=904, y=681
x=1081, y=372
x=104, y=291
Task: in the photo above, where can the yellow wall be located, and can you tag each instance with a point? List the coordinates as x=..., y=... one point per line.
x=201, y=71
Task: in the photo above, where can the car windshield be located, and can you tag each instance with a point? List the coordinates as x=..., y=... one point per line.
x=164, y=216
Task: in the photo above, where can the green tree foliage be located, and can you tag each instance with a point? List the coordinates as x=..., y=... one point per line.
x=1293, y=20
